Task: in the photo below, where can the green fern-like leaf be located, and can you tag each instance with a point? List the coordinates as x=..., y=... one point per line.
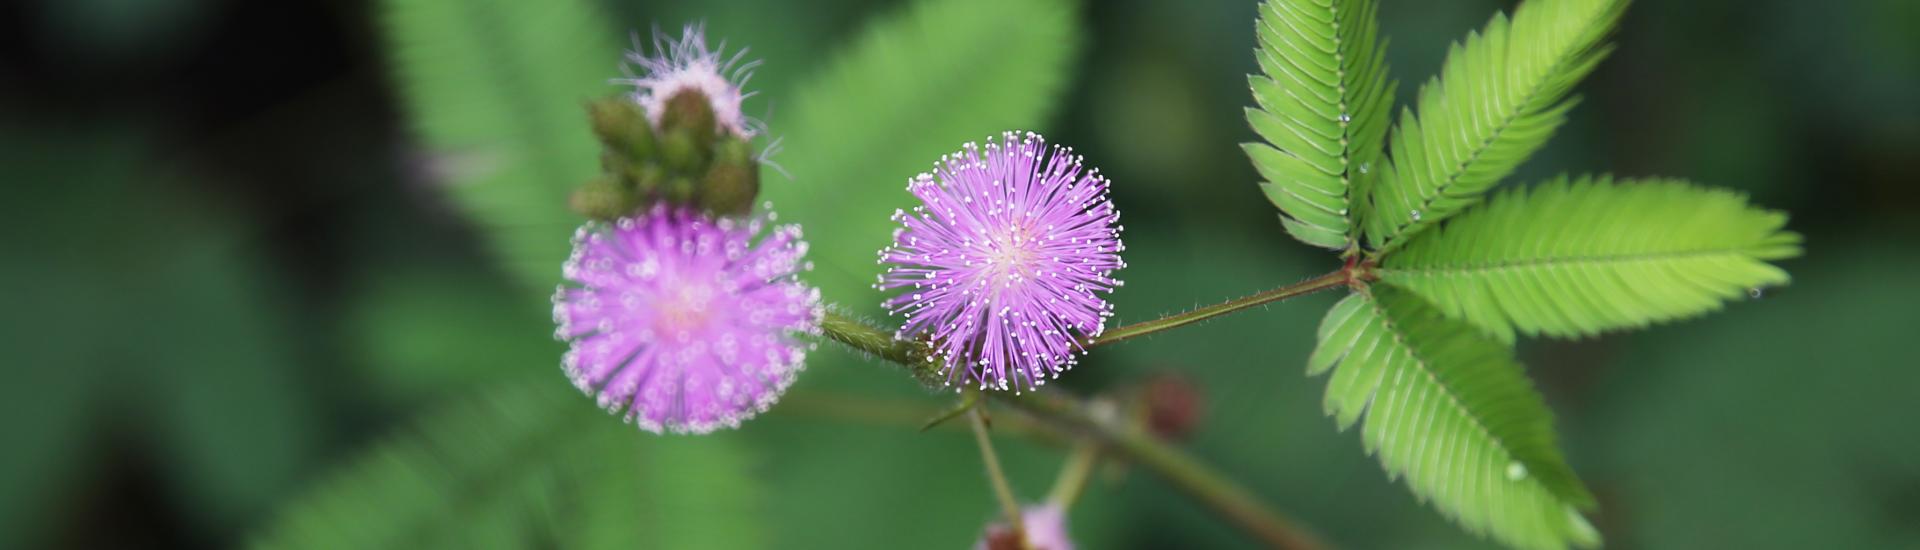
x=531, y=466
x=1449, y=408
x=1324, y=104
x=913, y=87
x=494, y=90
x=1574, y=258
x=1498, y=99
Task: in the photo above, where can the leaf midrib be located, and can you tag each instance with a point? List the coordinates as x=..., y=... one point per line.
x=1426, y=204
x=1335, y=18
x=1499, y=444
x=1538, y=263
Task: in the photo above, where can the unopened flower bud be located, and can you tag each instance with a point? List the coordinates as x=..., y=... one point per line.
x=685, y=85
x=732, y=181
x=603, y=198
x=1045, y=529
x=1174, y=406
x=622, y=126
x=646, y=179
x=689, y=111
x=683, y=154
x=680, y=189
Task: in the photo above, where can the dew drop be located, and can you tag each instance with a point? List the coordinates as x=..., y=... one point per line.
x=1345, y=118
x=1756, y=293
x=1516, y=471
x=1416, y=214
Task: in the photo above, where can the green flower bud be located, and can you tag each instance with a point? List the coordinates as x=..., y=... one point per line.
x=680, y=189
x=682, y=154
x=732, y=182
x=603, y=198
x=646, y=179
x=689, y=111
x=622, y=127
x=730, y=188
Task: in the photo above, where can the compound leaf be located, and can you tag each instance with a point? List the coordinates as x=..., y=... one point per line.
x=1448, y=408
x=1498, y=98
x=1324, y=105
x=1578, y=257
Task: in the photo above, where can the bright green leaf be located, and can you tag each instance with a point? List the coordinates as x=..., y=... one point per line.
x=1324, y=103
x=1498, y=98
x=913, y=87
x=1581, y=257
x=1449, y=409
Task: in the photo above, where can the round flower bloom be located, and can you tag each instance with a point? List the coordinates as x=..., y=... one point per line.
x=682, y=322
x=687, y=65
x=1045, y=527
x=1001, y=269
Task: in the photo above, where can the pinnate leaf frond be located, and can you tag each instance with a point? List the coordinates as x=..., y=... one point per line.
x=1448, y=408
x=1580, y=257
x=494, y=92
x=1324, y=104
x=528, y=466
x=911, y=87
x=1499, y=97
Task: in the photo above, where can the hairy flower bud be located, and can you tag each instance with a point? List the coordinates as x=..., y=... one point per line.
x=732, y=181
x=622, y=127
x=603, y=198
x=689, y=111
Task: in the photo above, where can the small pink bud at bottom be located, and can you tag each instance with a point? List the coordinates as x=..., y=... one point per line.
x=1045, y=529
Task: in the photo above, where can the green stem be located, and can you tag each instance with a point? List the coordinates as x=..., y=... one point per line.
x=1309, y=286
x=864, y=337
x=1186, y=473
x=1008, y=503
x=1073, y=476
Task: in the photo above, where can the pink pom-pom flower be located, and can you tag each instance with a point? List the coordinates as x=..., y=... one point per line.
x=684, y=323
x=1003, y=266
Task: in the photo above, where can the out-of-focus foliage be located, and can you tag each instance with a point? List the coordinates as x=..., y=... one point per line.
x=496, y=91
x=1731, y=430
x=912, y=87
x=148, y=315
x=527, y=467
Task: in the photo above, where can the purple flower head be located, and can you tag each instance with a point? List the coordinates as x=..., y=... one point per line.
x=687, y=65
x=1045, y=527
x=1003, y=266
x=684, y=323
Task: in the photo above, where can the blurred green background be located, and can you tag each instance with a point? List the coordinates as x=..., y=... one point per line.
x=229, y=269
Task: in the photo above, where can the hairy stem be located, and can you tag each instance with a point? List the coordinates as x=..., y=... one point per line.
x=1001, y=489
x=1302, y=288
x=1186, y=473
